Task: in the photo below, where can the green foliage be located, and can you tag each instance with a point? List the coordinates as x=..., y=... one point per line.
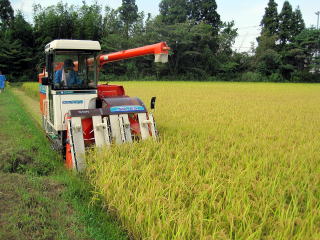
x=268, y=62
x=309, y=41
x=298, y=22
x=6, y=14
x=89, y=22
x=285, y=46
x=252, y=77
x=201, y=45
x=270, y=20
x=15, y=60
x=128, y=14
x=54, y=22
x=192, y=51
x=305, y=76
x=173, y=11
x=205, y=11
x=112, y=23
x=16, y=43
x=286, y=24
x=226, y=37
x=291, y=24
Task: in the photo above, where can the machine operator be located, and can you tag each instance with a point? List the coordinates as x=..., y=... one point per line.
x=67, y=77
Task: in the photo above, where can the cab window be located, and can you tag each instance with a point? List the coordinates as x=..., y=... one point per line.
x=74, y=70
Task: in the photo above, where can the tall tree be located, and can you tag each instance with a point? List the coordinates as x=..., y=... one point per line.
x=111, y=22
x=173, y=11
x=267, y=59
x=89, y=22
x=298, y=22
x=227, y=36
x=6, y=13
x=286, y=24
x=205, y=11
x=302, y=53
x=23, y=31
x=16, y=50
x=270, y=20
x=128, y=14
x=55, y=22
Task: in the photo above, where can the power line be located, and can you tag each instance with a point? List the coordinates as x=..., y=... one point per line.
x=245, y=27
x=318, y=50
x=249, y=35
x=243, y=47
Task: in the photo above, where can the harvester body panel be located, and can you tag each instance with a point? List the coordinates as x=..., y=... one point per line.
x=64, y=101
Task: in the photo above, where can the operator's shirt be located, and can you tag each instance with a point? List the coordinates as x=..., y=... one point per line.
x=67, y=79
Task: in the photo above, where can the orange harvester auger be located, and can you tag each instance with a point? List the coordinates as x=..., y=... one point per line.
x=159, y=49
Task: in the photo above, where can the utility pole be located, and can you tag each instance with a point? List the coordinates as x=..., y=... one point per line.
x=317, y=53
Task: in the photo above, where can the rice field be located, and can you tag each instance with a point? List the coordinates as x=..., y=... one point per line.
x=234, y=161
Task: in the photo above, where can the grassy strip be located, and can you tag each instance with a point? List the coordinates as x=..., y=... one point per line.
x=46, y=201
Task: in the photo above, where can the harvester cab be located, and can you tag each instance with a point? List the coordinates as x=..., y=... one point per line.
x=77, y=113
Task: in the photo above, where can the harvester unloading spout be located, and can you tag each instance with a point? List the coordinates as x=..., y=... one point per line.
x=76, y=113
x=160, y=51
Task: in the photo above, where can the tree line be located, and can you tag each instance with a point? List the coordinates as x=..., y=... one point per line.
x=201, y=44
x=287, y=50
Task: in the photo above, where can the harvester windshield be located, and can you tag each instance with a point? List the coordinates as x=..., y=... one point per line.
x=74, y=70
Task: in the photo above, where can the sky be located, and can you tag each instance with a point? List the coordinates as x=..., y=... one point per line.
x=246, y=14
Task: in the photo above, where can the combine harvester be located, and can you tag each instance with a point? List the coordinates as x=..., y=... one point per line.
x=77, y=115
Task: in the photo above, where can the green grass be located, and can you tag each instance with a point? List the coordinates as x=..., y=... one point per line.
x=39, y=199
x=27, y=148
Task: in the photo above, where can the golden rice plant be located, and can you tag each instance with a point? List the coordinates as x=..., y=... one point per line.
x=31, y=89
x=234, y=161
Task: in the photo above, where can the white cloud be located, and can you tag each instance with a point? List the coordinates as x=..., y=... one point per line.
x=25, y=7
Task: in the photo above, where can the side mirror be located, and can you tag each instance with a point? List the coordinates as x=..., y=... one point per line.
x=45, y=81
x=153, y=103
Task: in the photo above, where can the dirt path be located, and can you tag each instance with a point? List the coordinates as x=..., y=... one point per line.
x=31, y=105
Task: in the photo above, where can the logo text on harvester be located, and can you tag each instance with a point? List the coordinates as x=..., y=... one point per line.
x=130, y=108
x=73, y=102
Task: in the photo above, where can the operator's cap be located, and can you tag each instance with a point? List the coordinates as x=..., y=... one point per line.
x=68, y=63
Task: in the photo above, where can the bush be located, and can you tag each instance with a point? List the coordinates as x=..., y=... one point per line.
x=276, y=77
x=252, y=77
x=305, y=76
